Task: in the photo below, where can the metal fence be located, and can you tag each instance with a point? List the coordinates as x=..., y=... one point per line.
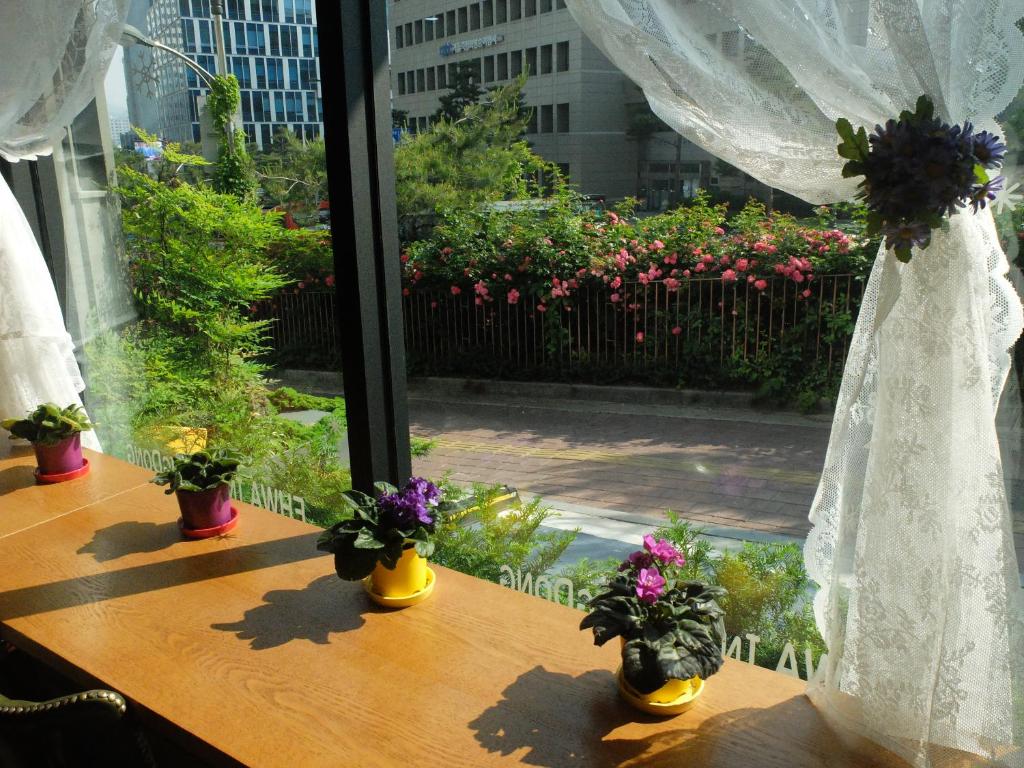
x=705, y=322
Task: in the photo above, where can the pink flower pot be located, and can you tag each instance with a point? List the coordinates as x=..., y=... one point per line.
x=61, y=458
x=203, y=510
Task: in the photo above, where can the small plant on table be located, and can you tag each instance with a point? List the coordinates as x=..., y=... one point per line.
x=201, y=482
x=387, y=540
x=56, y=437
x=671, y=630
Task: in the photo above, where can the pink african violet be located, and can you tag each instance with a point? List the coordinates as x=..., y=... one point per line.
x=649, y=585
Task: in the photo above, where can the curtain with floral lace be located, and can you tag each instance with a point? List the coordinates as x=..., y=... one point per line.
x=912, y=545
x=54, y=55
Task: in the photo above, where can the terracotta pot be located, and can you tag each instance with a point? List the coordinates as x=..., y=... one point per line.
x=201, y=510
x=60, y=458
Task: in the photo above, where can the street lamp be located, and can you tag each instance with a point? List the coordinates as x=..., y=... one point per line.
x=131, y=36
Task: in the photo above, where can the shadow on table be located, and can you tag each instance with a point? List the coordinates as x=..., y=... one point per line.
x=312, y=613
x=16, y=477
x=183, y=568
x=566, y=721
x=130, y=538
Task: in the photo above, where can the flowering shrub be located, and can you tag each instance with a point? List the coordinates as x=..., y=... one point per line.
x=671, y=629
x=552, y=253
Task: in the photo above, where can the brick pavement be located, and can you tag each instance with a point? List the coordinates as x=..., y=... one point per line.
x=725, y=467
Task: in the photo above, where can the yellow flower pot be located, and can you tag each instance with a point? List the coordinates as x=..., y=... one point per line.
x=408, y=578
x=673, y=698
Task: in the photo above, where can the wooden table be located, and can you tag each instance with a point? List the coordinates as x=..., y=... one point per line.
x=250, y=650
x=24, y=503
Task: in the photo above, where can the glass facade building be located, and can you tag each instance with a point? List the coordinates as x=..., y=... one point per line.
x=271, y=48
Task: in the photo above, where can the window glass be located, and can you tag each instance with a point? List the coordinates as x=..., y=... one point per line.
x=562, y=56
x=546, y=53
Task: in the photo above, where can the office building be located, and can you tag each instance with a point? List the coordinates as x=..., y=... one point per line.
x=271, y=48
x=585, y=111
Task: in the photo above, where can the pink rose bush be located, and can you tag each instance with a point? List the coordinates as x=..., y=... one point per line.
x=553, y=255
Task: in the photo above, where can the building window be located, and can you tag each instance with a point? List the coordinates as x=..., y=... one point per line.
x=246, y=107
x=438, y=22
x=307, y=42
x=265, y=135
x=515, y=10
x=421, y=80
x=531, y=8
x=546, y=55
x=563, y=168
x=431, y=79
x=516, y=64
x=449, y=23
x=442, y=76
x=562, y=57
x=401, y=83
x=560, y=5
x=474, y=16
x=428, y=30
x=488, y=69
x=545, y=6
x=236, y=10
x=502, y=66
x=463, y=20
x=417, y=29
x=475, y=70
x=279, y=107
x=410, y=82
x=270, y=10
x=398, y=36
x=422, y=123
x=531, y=123
x=500, y=11
x=289, y=11
x=408, y=33
x=311, y=113
x=487, y=9
x=275, y=43
x=254, y=10
x=547, y=118
x=531, y=62
x=293, y=74
x=562, y=117
x=261, y=73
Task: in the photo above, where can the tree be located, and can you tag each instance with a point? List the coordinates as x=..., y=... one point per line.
x=235, y=173
x=463, y=92
x=478, y=157
x=294, y=173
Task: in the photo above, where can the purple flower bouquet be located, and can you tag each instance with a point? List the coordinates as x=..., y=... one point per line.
x=917, y=170
x=671, y=629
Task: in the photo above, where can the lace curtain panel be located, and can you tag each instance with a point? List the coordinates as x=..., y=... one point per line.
x=919, y=596
x=54, y=55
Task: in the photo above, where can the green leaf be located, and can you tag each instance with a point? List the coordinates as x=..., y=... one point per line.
x=852, y=169
x=845, y=130
x=902, y=252
x=355, y=564
x=366, y=540
x=980, y=175
x=925, y=107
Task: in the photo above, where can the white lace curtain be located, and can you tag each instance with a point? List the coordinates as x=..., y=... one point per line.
x=53, y=57
x=912, y=543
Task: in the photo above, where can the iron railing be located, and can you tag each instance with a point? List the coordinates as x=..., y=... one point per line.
x=704, y=322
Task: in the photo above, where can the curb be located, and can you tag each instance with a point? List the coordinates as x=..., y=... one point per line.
x=330, y=383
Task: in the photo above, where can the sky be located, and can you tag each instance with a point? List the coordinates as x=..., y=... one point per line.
x=117, y=95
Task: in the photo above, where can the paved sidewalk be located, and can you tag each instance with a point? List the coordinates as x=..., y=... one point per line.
x=721, y=466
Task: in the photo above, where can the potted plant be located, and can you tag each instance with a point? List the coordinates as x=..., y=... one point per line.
x=387, y=540
x=201, y=483
x=671, y=630
x=56, y=437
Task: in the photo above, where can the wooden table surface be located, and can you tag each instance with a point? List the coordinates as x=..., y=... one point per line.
x=248, y=646
x=24, y=503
